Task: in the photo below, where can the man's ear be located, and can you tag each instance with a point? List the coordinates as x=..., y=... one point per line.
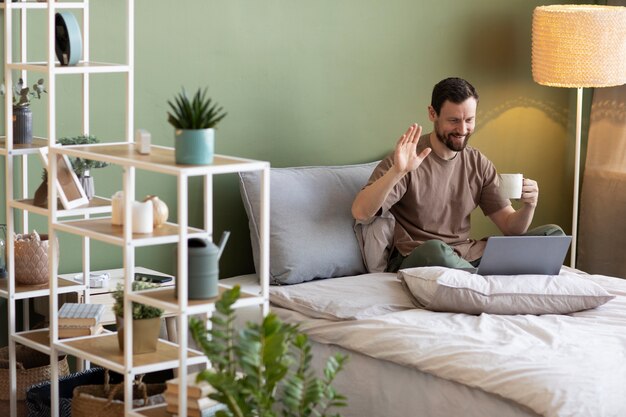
x=432, y=114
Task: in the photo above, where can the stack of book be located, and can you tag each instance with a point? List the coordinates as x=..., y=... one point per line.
x=76, y=319
x=198, y=402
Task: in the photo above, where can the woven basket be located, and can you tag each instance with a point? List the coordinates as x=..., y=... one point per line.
x=108, y=400
x=32, y=368
x=31, y=258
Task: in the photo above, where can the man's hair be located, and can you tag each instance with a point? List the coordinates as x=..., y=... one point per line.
x=456, y=90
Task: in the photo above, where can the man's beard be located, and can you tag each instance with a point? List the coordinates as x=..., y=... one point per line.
x=451, y=143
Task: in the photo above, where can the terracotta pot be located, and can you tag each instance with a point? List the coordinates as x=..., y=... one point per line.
x=145, y=334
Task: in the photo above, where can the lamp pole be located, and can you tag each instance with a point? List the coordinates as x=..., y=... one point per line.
x=579, y=112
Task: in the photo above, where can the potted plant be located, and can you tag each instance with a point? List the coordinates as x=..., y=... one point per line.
x=264, y=367
x=194, y=120
x=82, y=167
x=22, y=115
x=146, y=319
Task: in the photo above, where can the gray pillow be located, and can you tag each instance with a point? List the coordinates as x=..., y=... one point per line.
x=457, y=291
x=311, y=225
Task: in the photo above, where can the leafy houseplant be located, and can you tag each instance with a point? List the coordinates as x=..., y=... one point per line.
x=146, y=319
x=194, y=120
x=82, y=167
x=263, y=366
x=22, y=115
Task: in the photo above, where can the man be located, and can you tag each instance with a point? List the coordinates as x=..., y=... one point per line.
x=432, y=183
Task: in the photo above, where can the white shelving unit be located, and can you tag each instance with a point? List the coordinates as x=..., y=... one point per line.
x=94, y=221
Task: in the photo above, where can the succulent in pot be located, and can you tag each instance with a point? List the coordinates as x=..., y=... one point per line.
x=22, y=114
x=146, y=319
x=194, y=119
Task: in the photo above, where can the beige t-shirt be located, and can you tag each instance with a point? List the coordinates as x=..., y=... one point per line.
x=435, y=201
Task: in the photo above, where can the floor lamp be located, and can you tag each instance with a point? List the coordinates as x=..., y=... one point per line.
x=579, y=46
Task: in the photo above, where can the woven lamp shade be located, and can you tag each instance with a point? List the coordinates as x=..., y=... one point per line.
x=579, y=45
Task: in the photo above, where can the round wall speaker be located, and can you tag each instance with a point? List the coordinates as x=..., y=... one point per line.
x=68, y=40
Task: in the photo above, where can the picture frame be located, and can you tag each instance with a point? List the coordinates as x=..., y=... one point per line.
x=71, y=193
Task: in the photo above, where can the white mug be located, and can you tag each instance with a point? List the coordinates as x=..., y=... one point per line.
x=511, y=185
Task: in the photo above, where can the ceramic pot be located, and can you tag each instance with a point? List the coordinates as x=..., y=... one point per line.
x=145, y=334
x=159, y=210
x=22, y=126
x=194, y=146
x=86, y=182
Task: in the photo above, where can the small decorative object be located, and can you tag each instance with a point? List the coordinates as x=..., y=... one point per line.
x=40, y=198
x=3, y=253
x=68, y=41
x=142, y=217
x=159, y=210
x=117, y=208
x=70, y=191
x=250, y=366
x=82, y=167
x=203, y=267
x=194, y=121
x=31, y=258
x=142, y=141
x=146, y=319
x=22, y=115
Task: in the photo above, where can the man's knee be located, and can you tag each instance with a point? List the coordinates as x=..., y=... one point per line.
x=546, y=230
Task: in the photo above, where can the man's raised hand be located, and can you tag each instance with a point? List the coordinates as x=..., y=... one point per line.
x=405, y=158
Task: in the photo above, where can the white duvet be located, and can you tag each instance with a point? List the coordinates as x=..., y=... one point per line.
x=556, y=365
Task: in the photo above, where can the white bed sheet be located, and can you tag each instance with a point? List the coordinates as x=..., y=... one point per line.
x=555, y=365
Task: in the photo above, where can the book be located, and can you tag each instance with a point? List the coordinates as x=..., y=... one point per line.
x=194, y=389
x=192, y=403
x=65, y=332
x=206, y=412
x=79, y=314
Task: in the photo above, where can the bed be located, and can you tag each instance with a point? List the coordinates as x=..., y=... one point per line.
x=409, y=361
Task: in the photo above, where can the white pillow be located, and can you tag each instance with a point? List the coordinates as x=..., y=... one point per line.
x=457, y=291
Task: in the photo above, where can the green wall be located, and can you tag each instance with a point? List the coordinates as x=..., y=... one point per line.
x=316, y=83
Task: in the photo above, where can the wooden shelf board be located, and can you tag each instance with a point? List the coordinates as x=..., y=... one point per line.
x=160, y=159
x=41, y=337
x=95, y=205
x=103, y=226
x=156, y=411
x=168, y=295
x=23, y=290
x=21, y=149
x=106, y=347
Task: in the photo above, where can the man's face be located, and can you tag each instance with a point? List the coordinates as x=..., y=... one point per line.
x=455, y=123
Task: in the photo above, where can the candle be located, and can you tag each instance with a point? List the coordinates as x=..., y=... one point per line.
x=142, y=217
x=117, y=208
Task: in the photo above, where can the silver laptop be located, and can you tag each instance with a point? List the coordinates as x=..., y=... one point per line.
x=523, y=255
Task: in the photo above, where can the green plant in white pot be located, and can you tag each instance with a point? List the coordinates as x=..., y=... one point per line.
x=22, y=115
x=195, y=120
x=146, y=319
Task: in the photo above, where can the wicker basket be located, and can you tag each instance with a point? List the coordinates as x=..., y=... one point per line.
x=32, y=367
x=108, y=400
x=31, y=258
